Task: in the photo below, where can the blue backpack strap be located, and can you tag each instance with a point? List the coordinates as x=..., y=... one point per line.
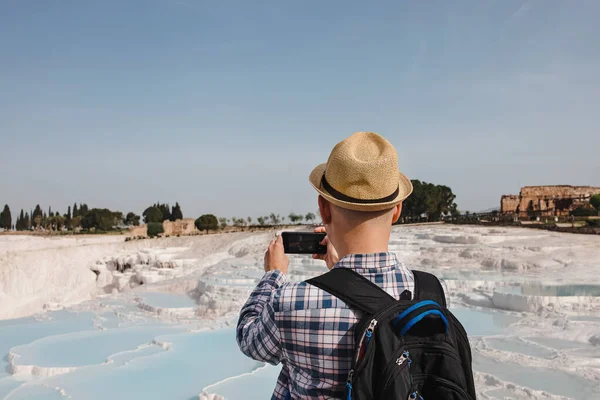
x=428, y=287
x=353, y=289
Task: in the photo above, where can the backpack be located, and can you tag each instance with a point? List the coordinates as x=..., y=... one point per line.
x=412, y=348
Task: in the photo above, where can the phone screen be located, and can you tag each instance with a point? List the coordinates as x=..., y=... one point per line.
x=303, y=243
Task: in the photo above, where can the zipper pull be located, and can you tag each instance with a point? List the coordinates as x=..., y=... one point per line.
x=349, y=384
x=403, y=358
x=371, y=328
x=415, y=396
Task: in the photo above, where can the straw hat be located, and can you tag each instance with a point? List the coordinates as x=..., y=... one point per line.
x=362, y=174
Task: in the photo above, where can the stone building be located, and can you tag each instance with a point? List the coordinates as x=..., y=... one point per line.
x=547, y=201
x=179, y=227
x=172, y=228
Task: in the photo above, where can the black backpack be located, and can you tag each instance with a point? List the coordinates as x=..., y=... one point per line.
x=412, y=348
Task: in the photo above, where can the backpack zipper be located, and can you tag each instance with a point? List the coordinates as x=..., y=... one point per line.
x=349, y=385
x=367, y=334
x=400, y=364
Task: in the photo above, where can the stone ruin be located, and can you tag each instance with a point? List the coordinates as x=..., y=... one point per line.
x=172, y=228
x=547, y=201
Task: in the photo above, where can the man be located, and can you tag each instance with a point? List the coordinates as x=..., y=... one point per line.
x=306, y=329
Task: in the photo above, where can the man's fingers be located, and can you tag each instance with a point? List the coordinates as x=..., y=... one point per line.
x=318, y=256
x=325, y=241
x=320, y=229
x=279, y=240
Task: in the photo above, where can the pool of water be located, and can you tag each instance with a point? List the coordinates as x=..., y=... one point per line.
x=260, y=383
x=167, y=300
x=547, y=379
x=558, y=344
x=539, y=289
x=26, y=330
x=482, y=322
x=86, y=348
x=515, y=345
x=503, y=394
x=194, y=361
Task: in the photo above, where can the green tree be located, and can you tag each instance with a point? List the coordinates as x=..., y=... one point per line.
x=74, y=223
x=21, y=221
x=68, y=216
x=6, y=218
x=261, y=220
x=152, y=214
x=59, y=221
x=427, y=198
x=249, y=220
x=165, y=211
x=176, y=212
x=207, y=222
x=595, y=201
x=309, y=217
x=37, y=213
x=132, y=219
x=101, y=219
x=26, y=222
x=275, y=219
x=295, y=218
x=155, y=228
x=222, y=222
x=75, y=210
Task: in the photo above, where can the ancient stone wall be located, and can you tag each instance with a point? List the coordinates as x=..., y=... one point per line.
x=547, y=200
x=141, y=230
x=180, y=227
x=509, y=204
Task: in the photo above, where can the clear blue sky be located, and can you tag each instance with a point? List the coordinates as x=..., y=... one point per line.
x=226, y=106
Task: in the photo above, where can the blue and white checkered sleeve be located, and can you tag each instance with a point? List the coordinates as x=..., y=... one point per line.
x=257, y=333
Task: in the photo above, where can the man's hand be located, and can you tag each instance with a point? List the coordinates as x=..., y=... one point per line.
x=275, y=258
x=331, y=257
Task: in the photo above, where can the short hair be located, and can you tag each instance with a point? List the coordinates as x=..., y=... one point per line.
x=358, y=217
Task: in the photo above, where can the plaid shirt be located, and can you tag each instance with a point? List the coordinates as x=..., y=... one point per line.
x=310, y=331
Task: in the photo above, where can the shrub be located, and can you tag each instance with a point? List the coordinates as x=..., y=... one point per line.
x=593, y=223
x=207, y=222
x=584, y=212
x=155, y=228
x=595, y=201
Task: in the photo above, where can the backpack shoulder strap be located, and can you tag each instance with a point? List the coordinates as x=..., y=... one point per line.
x=353, y=289
x=428, y=287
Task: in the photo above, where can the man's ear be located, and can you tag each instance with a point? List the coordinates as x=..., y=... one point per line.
x=397, y=212
x=325, y=210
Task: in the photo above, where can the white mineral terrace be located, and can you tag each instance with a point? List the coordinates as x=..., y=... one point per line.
x=98, y=318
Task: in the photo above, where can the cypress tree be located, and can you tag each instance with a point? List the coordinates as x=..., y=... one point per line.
x=21, y=221
x=6, y=219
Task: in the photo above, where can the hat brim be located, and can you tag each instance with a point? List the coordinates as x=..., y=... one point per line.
x=404, y=185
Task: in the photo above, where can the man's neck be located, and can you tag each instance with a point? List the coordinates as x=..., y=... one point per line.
x=362, y=241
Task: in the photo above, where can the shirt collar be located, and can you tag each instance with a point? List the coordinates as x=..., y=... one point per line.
x=371, y=261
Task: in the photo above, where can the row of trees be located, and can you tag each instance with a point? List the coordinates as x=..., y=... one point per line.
x=38, y=219
x=80, y=216
x=272, y=219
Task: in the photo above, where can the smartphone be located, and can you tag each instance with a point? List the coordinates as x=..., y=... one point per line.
x=303, y=242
